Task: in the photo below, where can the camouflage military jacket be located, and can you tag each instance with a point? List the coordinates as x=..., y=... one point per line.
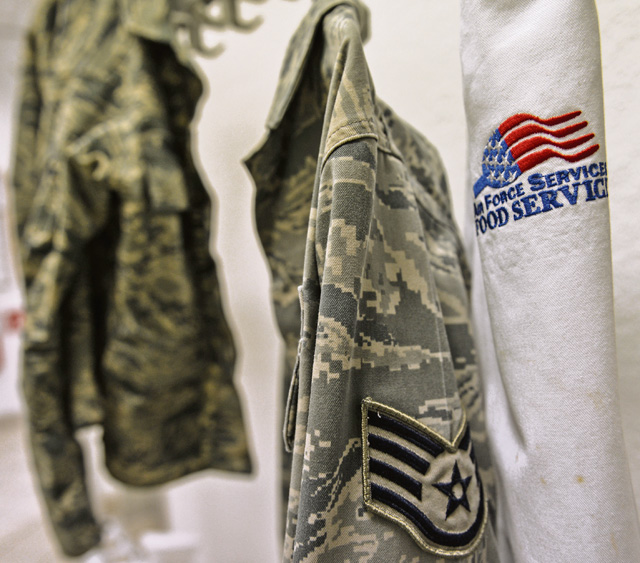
x=385, y=415
x=125, y=325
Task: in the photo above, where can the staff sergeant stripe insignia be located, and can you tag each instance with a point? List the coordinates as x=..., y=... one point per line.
x=400, y=453
x=411, y=485
x=424, y=483
x=404, y=430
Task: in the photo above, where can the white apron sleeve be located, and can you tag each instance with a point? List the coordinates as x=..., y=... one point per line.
x=543, y=299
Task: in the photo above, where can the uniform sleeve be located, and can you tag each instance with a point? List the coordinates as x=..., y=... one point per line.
x=52, y=227
x=543, y=299
x=59, y=225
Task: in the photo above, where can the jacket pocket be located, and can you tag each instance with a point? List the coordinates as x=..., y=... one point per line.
x=289, y=429
x=292, y=397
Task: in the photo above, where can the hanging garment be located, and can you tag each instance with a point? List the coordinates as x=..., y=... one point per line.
x=384, y=416
x=124, y=319
x=542, y=293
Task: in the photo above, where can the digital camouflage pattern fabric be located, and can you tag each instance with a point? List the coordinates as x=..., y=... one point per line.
x=125, y=325
x=354, y=214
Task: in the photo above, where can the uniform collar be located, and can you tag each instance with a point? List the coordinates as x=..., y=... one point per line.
x=298, y=52
x=150, y=19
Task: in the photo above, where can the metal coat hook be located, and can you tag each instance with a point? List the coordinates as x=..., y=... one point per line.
x=195, y=16
x=192, y=15
x=233, y=18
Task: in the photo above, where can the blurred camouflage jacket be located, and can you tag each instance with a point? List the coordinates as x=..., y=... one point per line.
x=385, y=415
x=125, y=324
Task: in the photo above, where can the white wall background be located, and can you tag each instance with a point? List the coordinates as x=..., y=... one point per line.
x=14, y=16
x=413, y=55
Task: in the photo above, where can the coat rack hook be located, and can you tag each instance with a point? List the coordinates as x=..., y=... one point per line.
x=233, y=18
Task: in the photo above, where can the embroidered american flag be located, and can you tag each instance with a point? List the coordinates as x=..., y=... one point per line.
x=524, y=141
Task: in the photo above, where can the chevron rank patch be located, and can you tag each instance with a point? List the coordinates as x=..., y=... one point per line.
x=426, y=484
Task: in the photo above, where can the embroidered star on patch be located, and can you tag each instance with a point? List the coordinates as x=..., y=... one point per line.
x=448, y=489
x=428, y=485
